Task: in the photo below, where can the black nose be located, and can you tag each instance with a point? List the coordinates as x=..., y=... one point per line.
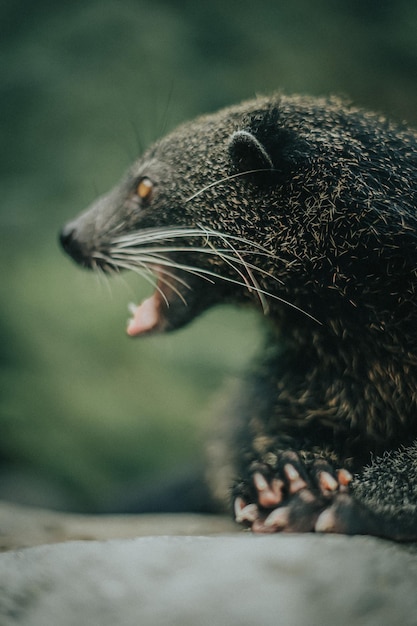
x=66, y=237
x=73, y=246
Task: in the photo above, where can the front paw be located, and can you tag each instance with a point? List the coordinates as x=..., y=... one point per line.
x=288, y=497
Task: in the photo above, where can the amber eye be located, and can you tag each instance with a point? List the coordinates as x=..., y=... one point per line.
x=144, y=189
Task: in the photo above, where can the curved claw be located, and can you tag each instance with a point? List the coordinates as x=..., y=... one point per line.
x=327, y=483
x=245, y=512
x=268, y=494
x=296, y=482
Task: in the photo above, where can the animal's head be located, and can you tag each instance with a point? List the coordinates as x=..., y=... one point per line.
x=197, y=216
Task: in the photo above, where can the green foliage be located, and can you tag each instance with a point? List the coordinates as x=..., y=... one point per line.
x=85, y=86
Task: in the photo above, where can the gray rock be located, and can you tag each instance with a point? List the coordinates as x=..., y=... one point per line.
x=23, y=526
x=240, y=579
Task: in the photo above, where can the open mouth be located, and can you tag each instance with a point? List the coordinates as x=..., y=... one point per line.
x=145, y=317
x=221, y=268
x=177, y=298
x=152, y=315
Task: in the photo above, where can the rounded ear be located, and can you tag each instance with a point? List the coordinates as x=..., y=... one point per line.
x=247, y=153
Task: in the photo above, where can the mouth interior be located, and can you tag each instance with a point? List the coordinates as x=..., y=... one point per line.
x=151, y=315
x=145, y=317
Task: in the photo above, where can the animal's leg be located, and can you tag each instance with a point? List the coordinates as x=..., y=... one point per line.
x=295, y=492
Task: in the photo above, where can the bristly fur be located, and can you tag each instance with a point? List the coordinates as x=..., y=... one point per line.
x=307, y=209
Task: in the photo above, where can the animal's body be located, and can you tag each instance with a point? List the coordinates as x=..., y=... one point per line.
x=307, y=209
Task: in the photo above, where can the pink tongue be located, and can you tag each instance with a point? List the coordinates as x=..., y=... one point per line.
x=145, y=317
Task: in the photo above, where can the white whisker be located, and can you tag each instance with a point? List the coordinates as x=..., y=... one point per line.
x=132, y=253
x=227, y=178
x=150, y=252
x=142, y=270
x=102, y=276
x=255, y=283
x=138, y=238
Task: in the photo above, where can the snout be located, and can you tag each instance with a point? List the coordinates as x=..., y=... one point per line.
x=73, y=245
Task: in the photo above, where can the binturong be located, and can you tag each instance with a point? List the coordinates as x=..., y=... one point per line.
x=305, y=209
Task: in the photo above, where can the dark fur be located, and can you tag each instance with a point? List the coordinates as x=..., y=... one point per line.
x=334, y=202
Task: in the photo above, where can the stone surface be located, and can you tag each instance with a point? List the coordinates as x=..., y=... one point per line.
x=174, y=574
x=234, y=580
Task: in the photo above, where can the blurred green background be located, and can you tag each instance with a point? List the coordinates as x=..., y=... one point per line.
x=85, y=86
